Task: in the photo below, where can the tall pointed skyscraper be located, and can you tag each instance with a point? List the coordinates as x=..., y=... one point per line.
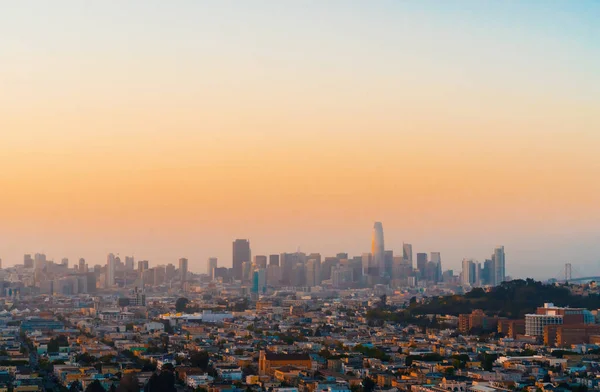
x=378, y=248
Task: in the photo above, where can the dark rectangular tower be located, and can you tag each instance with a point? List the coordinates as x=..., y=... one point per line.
x=241, y=254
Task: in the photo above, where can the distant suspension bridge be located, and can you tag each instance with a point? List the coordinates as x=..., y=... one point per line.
x=572, y=274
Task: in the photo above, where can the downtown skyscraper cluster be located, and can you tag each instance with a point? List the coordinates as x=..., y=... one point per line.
x=298, y=269
x=492, y=273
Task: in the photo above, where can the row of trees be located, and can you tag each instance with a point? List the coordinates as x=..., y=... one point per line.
x=127, y=383
x=163, y=381
x=511, y=299
x=184, y=305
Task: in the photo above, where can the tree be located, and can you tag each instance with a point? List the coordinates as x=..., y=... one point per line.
x=45, y=365
x=181, y=304
x=55, y=343
x=107, y=359
x=241, y=306
x=168, y=327
x=372, y=352
x=75, y=387
x=368, y=385
x=85, y=359
x=163, y=382
x=165, y=342
x=129, y=383
x=579, y=388
x=168, y=367
x=149, y=367
x=511, y=299
x=487, y=361
x=383, y=301
x=95, y=386
x=200, y=359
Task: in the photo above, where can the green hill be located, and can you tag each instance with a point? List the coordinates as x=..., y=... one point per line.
x=511, y=299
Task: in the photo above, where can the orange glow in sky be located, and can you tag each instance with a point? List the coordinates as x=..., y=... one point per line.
x=170, y=132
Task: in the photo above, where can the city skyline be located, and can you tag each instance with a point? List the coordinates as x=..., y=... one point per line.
x=225, y=260
x=167, y=131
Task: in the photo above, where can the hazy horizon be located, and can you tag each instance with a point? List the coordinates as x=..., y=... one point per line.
x=166, y=130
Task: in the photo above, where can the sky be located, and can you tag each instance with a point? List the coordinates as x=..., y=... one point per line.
x=168, y=129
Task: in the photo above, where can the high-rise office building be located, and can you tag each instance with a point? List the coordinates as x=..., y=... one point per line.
x=316, y=256
x=129, y=263
x=183, y=270
x=378, y=249
x=259, y=281
x=367, y=264
x=212, y=264
x=159, y=274
x=436, y=258
x=274, y=260
x=82, y=265
x=407, y=254
x=222, y=273
x=169, y=272
x=148, y=277
x=247, y=271
x=91, y=281
x=498, y=259
x=313, y=272
x=273, y=275
x=356, y=263
x=341, y=276
x=298, y=278
x=143, y=265
x=402, y=269
x=422, y=261
x=260, y=261
x=470, y=274
x=119, y=265
x=39, y=261
x=65, y=262
x=241, y=254
x=388, y=263
x=286, y=264
x=111, y=265
x=28, y=261
x=326, y=267
x=488, y=274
